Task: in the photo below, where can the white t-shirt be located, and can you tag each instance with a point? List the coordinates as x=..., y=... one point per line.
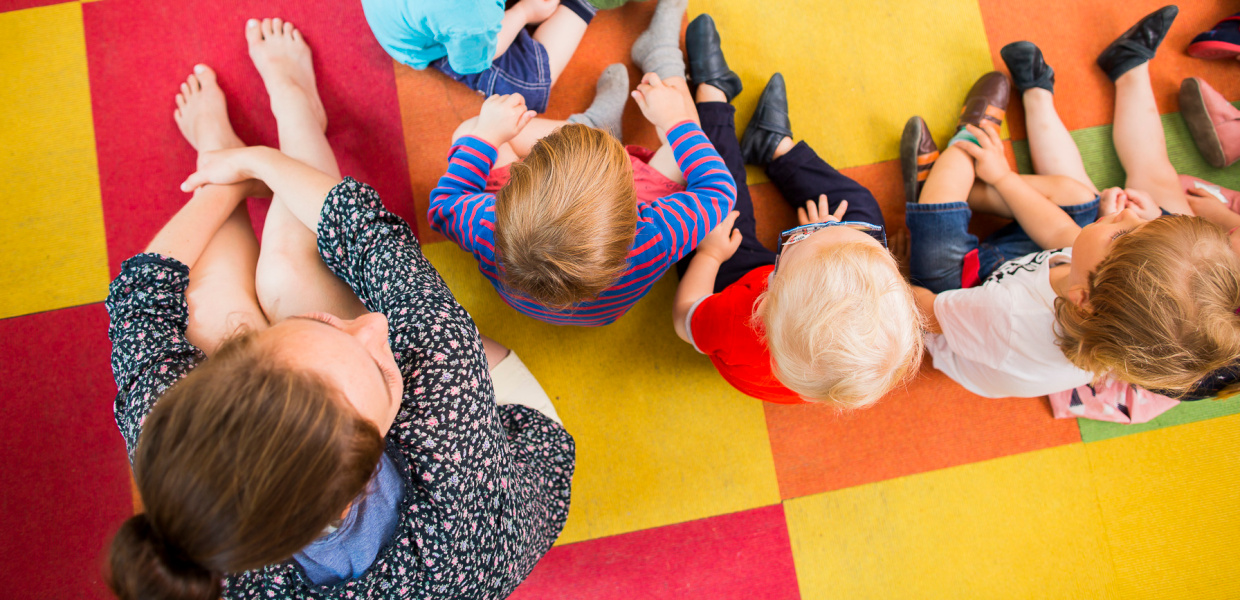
x=998, y=338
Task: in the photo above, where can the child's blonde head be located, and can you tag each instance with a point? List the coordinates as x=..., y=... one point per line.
x=1161, y=307
x=841, y=325
x=567, y=218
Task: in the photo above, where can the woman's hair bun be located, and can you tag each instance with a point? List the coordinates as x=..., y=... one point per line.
x=142, y=566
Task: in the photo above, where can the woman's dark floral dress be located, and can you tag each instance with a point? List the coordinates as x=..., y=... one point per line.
x=487, y=487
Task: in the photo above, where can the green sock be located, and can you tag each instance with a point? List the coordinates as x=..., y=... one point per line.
x=962, y=135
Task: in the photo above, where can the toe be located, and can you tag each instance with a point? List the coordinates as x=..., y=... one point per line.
x=185, y=91
x=277, y=26
x=180, y=101
x=253, y=31
x=289, y=29
x=194, y=86
x=176, y=114
x=297, y=36
x=205, y=75
x=266, y=28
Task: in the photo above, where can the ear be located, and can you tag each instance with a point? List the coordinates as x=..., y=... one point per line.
x=1079, y=295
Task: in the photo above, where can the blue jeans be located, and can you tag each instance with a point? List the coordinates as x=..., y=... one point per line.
x=940, y=242
x=525, y=68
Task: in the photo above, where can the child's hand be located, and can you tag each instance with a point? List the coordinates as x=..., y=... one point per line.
x=1209, y=208
x=1112, y=201
x=1115, y=200
x=818, y=213
x=722, y=241
x=536, y=11
x=989, y=160
x=502, y=118
x=662, y=104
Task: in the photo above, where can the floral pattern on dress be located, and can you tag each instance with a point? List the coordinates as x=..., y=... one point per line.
x=487, y=486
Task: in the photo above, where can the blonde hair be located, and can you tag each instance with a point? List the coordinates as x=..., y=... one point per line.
x=1161, y=307
x=565, y=221
x=841, y=325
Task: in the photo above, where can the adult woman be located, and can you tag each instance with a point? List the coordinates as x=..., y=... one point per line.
x=365, y=446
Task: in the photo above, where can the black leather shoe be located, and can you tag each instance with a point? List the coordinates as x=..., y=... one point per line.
x=769, y=124
x=706, y=63
x=1029, y=69
x=1137, y=45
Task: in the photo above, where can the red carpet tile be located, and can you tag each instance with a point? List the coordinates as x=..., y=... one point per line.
x=140, y=51
x=65, y=476
x=432, y=105
x=740, y=555
x=1072, y=33
x=8, y=5
x=933, y=424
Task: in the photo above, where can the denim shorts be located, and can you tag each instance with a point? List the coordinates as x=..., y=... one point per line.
x=525, y=68
x=945, y=256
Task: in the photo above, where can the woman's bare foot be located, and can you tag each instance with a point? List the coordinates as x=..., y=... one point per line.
x=282, y=58
x=202, y=113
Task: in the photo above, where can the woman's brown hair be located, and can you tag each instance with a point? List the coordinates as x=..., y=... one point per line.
x=1161, y=307
x=241, y=464
x=567, y=218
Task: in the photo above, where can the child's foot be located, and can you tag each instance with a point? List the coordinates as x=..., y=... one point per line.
x=917, y=155
x=1223, y=41
x=769, y=125
x=202, y=113
x=706, y=62
x=610, y=95
x=283, y=60
x=1212, y=121
x=987, y=100
x=1137, y=46
x=657, y=50
x=1029, y=69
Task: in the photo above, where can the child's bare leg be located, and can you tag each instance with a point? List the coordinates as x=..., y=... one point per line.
x=951, y=179
x=220, y=295
x=1060, y=189
x=1051, y=147
x=1141, y=143
x=292, y=279
x=560, y=34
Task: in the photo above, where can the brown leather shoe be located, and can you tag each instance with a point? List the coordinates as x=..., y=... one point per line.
x=987, y=99
x=917, y=155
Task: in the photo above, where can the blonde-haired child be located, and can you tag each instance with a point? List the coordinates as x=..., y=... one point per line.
x=829, y=319
x=582, y=228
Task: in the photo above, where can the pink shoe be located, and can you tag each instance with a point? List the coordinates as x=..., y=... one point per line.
x=1213, y=122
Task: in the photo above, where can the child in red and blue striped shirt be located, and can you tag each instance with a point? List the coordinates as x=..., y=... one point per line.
x=583, y=227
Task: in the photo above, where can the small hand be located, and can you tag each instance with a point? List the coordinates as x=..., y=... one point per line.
x=1112, y=201
x=222, y=167
x=502, y=118
x=989, y=160
x=1208, y=207
x=722, y=241
x=820, y=212
x=1143, y=204
x=536, y=11
x=663, y=105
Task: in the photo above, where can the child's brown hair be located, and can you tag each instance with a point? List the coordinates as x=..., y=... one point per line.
x=567, y=218
x=1161, y=307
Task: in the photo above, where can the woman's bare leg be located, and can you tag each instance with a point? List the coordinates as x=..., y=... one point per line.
x=221, y=294
x=1052, y=148
x=291, y=278
x=1061, y=189
x=1141, y=143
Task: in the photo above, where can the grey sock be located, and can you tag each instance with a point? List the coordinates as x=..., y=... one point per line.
x=658, y=48
x=610, y=95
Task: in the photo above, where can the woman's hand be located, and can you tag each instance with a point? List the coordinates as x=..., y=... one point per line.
x=663, y=105
x=989, y=160
x=819, y=212
x=221, y=167
x=722, y=241
x=502, y=118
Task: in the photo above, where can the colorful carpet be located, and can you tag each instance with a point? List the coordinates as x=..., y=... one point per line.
x=684, y=488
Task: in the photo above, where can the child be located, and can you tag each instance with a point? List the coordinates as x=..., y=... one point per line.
x=482, y=45
x=582, y=228
x=836, y=322
x=1096, y=344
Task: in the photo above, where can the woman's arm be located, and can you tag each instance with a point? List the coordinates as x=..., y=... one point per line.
x=186, y=235
x=302, y=187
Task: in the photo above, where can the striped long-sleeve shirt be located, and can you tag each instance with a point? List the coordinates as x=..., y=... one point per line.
x=667, y=228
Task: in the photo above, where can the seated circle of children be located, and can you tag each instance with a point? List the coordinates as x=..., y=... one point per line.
x=827, y=319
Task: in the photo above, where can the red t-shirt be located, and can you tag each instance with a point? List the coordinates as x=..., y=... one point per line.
x=720, y=329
